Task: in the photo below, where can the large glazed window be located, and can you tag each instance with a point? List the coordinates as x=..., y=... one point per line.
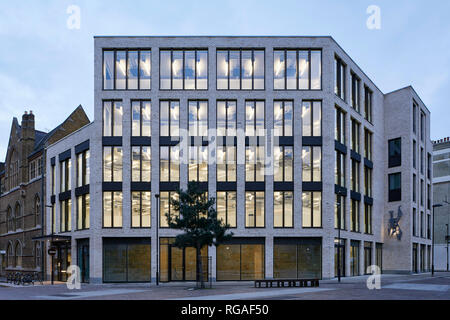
x=127, y=69
x=254, y=209
x=283, y=210
x=112, y=164
x=198, y=164
x=283, y=118
x=112, y=209
x=240, y=262
x=226, y=208
x=312, y=209
x=395, y=187
x=112, y=118
x=169, y=119
x=312, y=164
x=183, y=69
x=141, y=209
x=395, y=153
x=83, y=211
x=198, y=118
x=141, y=164
x=169, y=159
x=226, y=164
x=254, y=118
x=283, y=164
x=312, y=118
x=226, y=118
x=141, y=118
x=297, y=69
x=66, y=216
x=83, y=168
x=340, y=78
x=167, y=208
x=254, y=164
x=240, y=69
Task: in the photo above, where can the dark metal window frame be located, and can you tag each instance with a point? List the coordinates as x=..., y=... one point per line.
x=311, y=161
x=161, y=213
x=313, y=111
x=138, y=50
x=255, y=168
x=254, y=116
x=340, y=209
x=355, y=216
x=395, y=194
x=225, y=148
x=368, y=216
x=341, y=168
x=83, y=212
x=140, y=163
x=254, y=210
x=368, y=173
x=368, y=104
x=341, y=87
x=197, y=121
x=170, y=163
x=169, y=117
x=112, y=209
x=183, y=50
x=283, y=107
x=355, y=92
x=226, y=115
x=113, y=103
x=297, y=50
x=83, y=168
x=311, y=225
x=197, y=165
x=64, y=172
x=140, y=117
x=228, y=50
x=394, y=160
x=368, y=144
x=227, y=213
x=283, y=164
x=340, y=122
x=356, y=136
x=355, y=176
x=283, y=213
x=112, y=163
x=140, y=210
x=64, y=206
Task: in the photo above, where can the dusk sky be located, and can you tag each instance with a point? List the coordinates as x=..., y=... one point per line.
x=48, y=68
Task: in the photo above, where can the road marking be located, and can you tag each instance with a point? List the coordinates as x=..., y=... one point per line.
x=88, y=294
x=418, y=286
x=256, y=295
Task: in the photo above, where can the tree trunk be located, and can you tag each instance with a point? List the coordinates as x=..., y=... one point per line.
x=200, y=267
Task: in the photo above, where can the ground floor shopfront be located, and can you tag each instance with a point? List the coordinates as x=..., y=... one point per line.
x=135, y=260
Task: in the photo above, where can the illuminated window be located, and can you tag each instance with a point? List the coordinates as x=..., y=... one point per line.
x=240, y=69
x=226, y=207
x=127, y=69
x=141, y=209
x=283, y=210
x=297, y=70
x=183, y=69
x=112, y=209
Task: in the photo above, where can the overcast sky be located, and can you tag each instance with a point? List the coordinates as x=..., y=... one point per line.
x=48, y=68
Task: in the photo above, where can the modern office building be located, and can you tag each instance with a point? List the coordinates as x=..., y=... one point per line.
x=311, y=164
x=21, y=190
x=441, y=194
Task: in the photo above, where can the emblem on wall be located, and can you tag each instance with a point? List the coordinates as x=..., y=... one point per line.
x=394, y=229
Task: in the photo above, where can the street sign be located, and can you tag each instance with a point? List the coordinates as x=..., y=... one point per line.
x=52, y=251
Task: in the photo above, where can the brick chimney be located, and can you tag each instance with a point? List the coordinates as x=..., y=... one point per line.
x=28, y=132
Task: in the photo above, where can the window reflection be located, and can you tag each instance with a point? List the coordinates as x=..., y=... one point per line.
x=170, y=118
x=141, y=118
x=283, y=210
x=112, y=118
x=254, y=163
x=141, y=210
x=254, y=118
x=198, y=118
x=240, y=69
x=283, y=116
x=112, y=164
x=254, y=209
x=226, y=164
x=183, y=69
x=198, y=164
x=312, y=118
x=167, y=207
x=312, y=164
x=297, y=69
x=283, y=164
x=169, y=164
x=226, y=208
x=112, y=209
x=226, y=118
x=312, y=209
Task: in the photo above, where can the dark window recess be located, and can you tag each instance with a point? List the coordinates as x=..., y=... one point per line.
x=395, y=187
x=395, y=153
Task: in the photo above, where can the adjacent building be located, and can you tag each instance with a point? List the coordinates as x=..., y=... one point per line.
x=22, y=190
x=441, y=193
x=310, y=163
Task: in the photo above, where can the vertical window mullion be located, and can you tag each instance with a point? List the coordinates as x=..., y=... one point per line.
x=253, y=69
x=309, y=69
x=297, y=62
x=195, y=70
x=171, y=72
x=139, y=70
x=184, y=77
x=126, y=70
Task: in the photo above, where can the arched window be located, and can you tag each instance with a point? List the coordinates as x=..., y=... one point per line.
x=37, y=254
x=10, y=256
x=17, y=216
x=37, y=210
x=18, y=255
x=11, y=220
